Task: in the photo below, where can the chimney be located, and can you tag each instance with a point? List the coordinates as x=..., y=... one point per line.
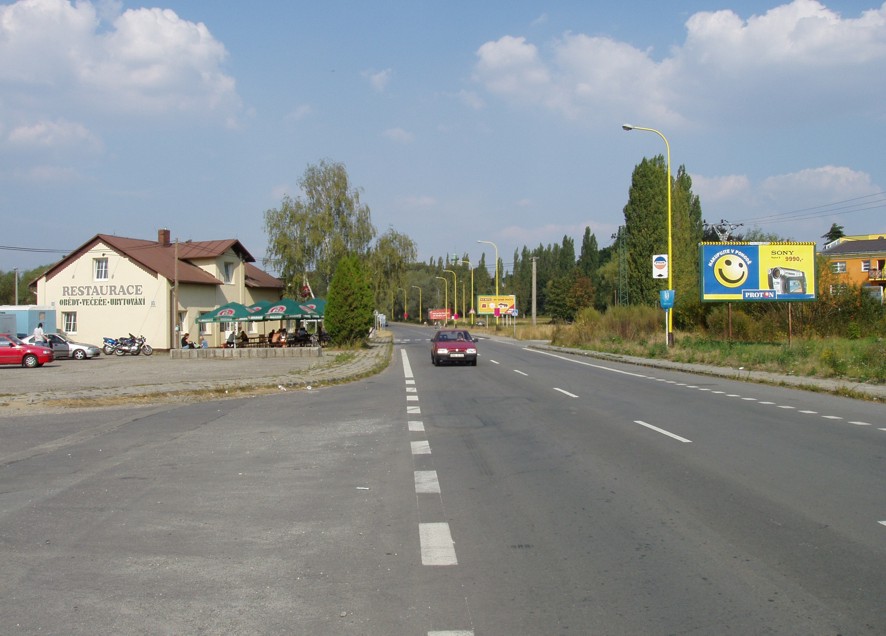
x=163, y=237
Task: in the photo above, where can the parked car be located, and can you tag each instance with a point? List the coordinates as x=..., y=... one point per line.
x=62, y=347
x=481, y=323
x=14, y=351
x=453, y=345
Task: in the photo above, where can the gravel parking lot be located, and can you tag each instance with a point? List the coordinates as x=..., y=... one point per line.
x=106, y=379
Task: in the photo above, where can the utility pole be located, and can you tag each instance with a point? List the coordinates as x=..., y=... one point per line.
x=723, y=229
x=534, y=261
x=15, y=271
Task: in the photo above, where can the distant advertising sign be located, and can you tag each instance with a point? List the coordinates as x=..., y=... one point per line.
x=757, y=272
x=439, y=314
x=489, y=304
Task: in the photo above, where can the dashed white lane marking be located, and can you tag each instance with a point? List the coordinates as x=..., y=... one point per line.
x=412, y=398
x=407, y=368
x=663, y=432
x=520, y=372
x=426, y=482
x=421, y=448
x=437, y=547
x=767, y=403
x=862, y=424
x=749, y=399
x=411, y=389
x=832, y=417
x=457, y=632
x=494, y=362
x=809, y=412
x=883, y=522
x=415, y=426
x=410, y=381
x=572, y=395
x=786, y=406
x=412, y=410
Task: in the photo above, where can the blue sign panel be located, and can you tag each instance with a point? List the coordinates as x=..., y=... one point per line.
x=666, y=298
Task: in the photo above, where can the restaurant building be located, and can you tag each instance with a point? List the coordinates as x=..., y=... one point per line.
x=112, y=286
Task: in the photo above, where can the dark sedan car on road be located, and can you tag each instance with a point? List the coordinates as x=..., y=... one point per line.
x=14, y=351
x=453, y=345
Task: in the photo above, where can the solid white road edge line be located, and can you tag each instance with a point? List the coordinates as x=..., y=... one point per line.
x=582, y=362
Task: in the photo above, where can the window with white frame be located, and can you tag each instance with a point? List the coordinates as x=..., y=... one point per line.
x=229, y=273
x=838, y=267
x=100, y=268
x=865, y=266
x=69, y=320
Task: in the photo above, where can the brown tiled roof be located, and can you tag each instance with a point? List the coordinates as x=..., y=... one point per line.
x=160, y=259
x=864, y=246
x=259, y=278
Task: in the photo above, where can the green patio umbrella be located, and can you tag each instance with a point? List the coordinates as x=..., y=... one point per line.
x=313, y=308
x=283, y=309
x=230, y=312
x=257, y=309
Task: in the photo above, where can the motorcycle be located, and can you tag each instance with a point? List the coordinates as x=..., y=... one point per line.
x=109, y=345
x=133, y=346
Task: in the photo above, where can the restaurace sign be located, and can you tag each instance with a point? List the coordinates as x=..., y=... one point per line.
x=101, y=295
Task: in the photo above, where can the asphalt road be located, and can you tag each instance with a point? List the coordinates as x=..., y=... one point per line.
x=533, y=494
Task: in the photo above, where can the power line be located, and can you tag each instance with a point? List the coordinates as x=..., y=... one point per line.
x=835, y=208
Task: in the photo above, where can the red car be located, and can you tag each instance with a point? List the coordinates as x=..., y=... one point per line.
x=453, y=345
x=14, y=351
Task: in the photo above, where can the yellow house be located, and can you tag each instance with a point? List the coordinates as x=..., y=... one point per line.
x=859, y=260
x=112, y=285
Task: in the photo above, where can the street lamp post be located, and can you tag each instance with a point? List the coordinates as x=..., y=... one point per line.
x=445, y=293
x=454, y=294
x=419, y=303
x=670, y=243
x=496, y=271
x=405, y=310
x=472, y=291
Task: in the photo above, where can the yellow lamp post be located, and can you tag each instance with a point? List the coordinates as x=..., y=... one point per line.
x=472, y=291
x=405, y=310
x=496, y=270
x=445, y=293
x=454, y=295
x=419, y=303
x=670, y=243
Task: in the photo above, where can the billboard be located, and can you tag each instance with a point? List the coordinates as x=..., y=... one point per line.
x=757, y=272
x=439, y=314
x=488, y=304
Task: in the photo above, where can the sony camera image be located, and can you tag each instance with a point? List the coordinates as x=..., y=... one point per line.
x=787, y=281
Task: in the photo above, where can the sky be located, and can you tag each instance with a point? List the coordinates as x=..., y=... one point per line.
x=458, y=121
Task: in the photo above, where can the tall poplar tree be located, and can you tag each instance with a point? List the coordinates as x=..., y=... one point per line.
x=646, y=223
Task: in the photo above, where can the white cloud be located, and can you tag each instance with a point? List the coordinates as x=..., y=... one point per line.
x=54, y=135
x=765, y=67
x=818, y=185
x=399, y=135
x=471, y=99
x=720, y=188
x=379, y=80
x=144, y=60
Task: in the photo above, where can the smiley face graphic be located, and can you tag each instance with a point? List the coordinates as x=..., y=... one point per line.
x=730, y=271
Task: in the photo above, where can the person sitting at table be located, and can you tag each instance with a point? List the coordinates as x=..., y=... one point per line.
x=244, y=339
x=274, y=338
x=230, y=341
x=204, y=343
x=186, y=342
x=284, y=335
